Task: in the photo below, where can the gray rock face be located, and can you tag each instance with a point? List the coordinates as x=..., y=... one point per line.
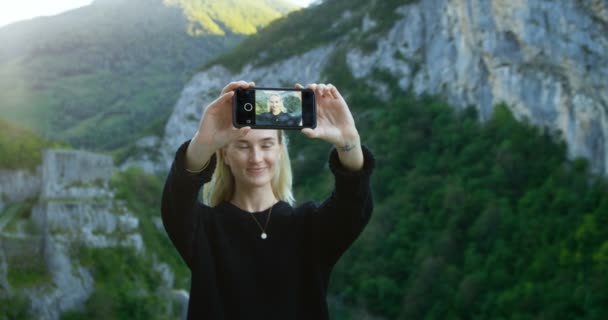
x=76, y=207
x=18, y=185
x=96, y=224
x=75, y=174
x=71, y=283
x=547, y=60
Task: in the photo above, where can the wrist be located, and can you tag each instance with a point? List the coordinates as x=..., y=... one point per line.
x=201, y=141
x=198, y=154
x=348, y=142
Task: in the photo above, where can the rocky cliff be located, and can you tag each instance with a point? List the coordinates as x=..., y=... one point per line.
x=75, y=207
x=18, y=185
x=547, y=60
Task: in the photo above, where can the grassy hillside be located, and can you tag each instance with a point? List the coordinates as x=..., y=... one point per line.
x=21, y=148
x=304, y=30
x=101, y=76
x=235, y=16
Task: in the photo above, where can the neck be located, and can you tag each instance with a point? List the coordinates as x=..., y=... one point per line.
x=277, y=112
x=254, y=199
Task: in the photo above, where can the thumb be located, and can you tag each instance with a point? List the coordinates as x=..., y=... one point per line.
x=226, y=97
x=309, y=133
x=222, y=100
x=243, y=131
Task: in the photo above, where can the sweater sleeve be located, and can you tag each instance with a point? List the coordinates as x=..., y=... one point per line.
x=339, y=220
x=180, y=202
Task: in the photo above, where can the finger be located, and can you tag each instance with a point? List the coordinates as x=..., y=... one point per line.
x=332, y=91
x=309, y=133
x=235, y=85
x=251, y=84
x=226, y=97
x=299, y=86
x=336, y=93
x=312, y=86
x=232, y=85
x=321, y=90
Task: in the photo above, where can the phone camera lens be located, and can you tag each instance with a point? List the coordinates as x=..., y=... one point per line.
x=248, y=107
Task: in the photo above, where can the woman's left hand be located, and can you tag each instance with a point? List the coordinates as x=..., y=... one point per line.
x=335, y=123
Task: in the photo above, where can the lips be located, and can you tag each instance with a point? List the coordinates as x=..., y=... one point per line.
x=255, y=170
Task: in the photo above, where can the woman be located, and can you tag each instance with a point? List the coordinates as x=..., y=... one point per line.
x=276, y=114
x=251, y=254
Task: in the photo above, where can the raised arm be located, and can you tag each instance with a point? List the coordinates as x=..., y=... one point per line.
x=339, y=220
x=193, y=166
x=215, y=128
x=180, y=202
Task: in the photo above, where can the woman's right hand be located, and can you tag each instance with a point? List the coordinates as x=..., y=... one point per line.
x=215, y=129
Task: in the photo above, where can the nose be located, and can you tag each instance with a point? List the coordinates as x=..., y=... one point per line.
x=255, y=155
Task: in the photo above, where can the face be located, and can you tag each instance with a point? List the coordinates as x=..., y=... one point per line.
x=253, y=159
x=275, y=104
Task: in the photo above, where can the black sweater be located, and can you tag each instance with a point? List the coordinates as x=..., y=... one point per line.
x=238, y=275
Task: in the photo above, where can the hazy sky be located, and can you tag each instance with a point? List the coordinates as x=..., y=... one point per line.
x=16, y=10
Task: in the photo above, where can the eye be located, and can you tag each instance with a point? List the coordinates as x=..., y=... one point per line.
x=242, y=146
x=267, y=146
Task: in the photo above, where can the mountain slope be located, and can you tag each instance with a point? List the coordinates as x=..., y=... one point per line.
x=99, y=76
x=236, y=16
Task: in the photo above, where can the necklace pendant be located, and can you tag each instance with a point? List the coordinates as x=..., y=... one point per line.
x=263, y=235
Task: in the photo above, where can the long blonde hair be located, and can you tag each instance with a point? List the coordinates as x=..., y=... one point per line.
x=221, y=187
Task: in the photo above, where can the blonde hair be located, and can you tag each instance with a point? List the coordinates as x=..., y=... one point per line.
x=222, y=185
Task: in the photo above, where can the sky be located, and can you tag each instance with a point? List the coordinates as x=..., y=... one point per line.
x=17, y=10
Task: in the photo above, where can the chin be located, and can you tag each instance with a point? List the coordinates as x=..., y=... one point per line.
x=257, y=181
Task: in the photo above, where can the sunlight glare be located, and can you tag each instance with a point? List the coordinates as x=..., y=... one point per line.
x=17, y=10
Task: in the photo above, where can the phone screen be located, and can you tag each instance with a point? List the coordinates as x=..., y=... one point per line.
x=279, y=108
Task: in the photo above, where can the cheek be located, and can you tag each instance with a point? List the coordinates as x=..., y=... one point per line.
x=273, y=157
x=235, y=158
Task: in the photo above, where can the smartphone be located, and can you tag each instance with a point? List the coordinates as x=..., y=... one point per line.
x=274, y=108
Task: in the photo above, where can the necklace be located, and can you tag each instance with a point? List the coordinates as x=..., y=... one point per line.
x=263, y=235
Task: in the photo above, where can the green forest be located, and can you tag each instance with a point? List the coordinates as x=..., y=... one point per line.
x=472, y=220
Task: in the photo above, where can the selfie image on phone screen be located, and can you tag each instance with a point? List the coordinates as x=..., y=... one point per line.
x=282, y=108
x=274, y=108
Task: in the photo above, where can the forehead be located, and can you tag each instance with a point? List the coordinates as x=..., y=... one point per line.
x=260, y=135
x=275, y=97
